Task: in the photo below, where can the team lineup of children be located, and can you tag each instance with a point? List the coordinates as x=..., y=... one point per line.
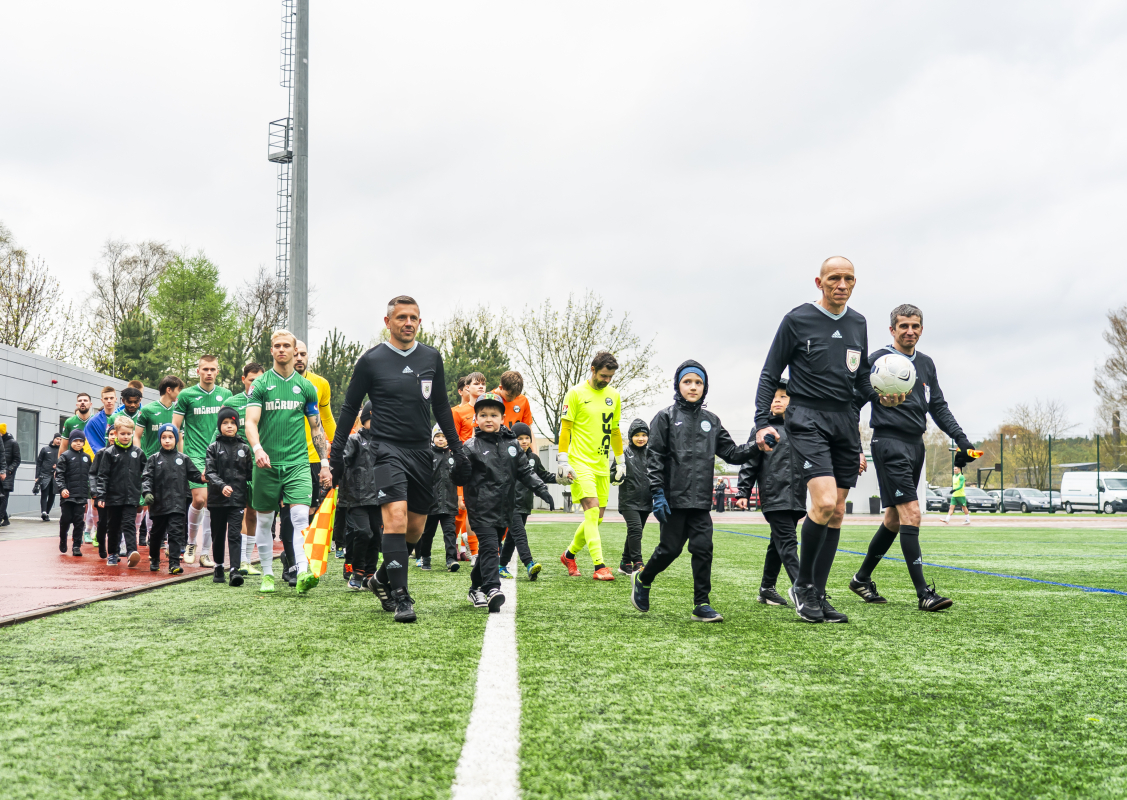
x=476, y=476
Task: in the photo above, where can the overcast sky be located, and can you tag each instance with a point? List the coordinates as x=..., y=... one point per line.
x=692, y=162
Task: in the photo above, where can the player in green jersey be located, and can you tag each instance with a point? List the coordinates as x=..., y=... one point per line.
x=251, y=373
x=280, y=403
x=196, y=414
x=78, y=421
x=131, y=398
x=588, y=432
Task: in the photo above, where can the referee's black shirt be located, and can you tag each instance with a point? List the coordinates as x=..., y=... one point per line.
x=404, y=387
x=909, y=419
x=828, y=360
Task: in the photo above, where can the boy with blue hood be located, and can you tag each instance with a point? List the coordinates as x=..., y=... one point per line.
x=685, y=440
x=165, y=490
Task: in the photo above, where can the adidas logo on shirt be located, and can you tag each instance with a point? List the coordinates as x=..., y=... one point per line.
x=837, y=335
x=807, y=465
x=406, y=370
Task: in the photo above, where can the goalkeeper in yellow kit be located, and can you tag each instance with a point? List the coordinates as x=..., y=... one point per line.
x=588, y=433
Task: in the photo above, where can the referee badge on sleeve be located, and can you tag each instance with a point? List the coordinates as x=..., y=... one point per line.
x=426, y=389
x=852, y=359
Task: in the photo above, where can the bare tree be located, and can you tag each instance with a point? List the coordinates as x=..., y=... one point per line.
x=1032, y=425
x=259, y=304
x=553, y=349
x=123, y=285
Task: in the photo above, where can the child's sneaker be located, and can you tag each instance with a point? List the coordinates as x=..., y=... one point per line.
x=477, y=598
x=625, y=569
x=572, y=567
x=218, y=576
x=134, y=558
x=452, y=565
x=154, y=566
x=495, y=601
x=603, y=573
x=533, y=570
x=355, y=582
x=175, y=569
x=424, y=564
x=236, y=578
x=63, y=546
x=504, y=572
x=706, y=613
x=639, y=566
x=639, y=594
x=267, y=584
x=112, y=560
x=76, y=551
x=206, y=561
x=250, y=570
x=87, y=538
x=340, y=552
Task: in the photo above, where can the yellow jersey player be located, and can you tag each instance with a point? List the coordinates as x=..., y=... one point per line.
x=588, y=433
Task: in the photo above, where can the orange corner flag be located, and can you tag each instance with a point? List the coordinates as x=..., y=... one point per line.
x=319, y=535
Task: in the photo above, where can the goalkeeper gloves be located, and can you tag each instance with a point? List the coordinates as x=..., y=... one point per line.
x=564, y=473
x=619, y=473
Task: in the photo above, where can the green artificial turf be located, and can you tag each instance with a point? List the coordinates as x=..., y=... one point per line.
x=1017, y=691
x=205, y=691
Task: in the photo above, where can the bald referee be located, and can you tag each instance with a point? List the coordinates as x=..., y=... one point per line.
x=406, y=382
x=825, y=344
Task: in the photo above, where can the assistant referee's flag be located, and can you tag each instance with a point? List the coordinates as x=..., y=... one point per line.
x=319, y=535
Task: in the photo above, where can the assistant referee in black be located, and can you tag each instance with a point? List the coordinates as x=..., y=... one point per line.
x=898, y=455
x=825, y=344
x=405, y=381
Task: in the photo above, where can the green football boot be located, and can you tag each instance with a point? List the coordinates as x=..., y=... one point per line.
x=267, y=584
x=306, y=581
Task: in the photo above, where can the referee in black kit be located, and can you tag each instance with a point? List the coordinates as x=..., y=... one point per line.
x=405, y=381
x=898, y=455
x=825, y=344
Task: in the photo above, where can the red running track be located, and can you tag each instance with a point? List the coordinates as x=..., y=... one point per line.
x=35, y=576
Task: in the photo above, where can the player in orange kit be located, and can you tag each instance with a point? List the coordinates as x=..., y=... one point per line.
x=516, y=404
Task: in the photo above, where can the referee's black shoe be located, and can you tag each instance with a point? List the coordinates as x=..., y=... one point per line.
x=866, y=590
x=807, y=602
x=383, y=592
x=404, y=606
x=290, y=576
x=831, y=614
x=933, y=601
x=769, y=596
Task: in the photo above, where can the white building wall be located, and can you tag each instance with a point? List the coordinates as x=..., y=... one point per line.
x=36, y=383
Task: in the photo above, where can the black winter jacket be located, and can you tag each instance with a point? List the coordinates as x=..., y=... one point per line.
x=229, y=463
x=358, y=483
x=524, y=495
x=166, y=477
x=72, y=472
x=634, y=493
x=12, y=460
x=45, y=466
x=117, y=480
x=496, y=463
x=684, y=442
x=781, y=487
x=442, y=482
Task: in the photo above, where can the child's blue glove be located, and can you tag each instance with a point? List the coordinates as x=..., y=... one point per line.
x=661, y=506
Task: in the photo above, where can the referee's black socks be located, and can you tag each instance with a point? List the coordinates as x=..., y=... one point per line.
x=913, y=556
x=825, y=558
x=395, y=560
x=809, y=545
x=877, y=548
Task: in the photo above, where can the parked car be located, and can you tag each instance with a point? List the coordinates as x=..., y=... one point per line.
x=1078, y=491
x=935, y=501
x=995, y=493
x=978, y=500
x=1029, y=500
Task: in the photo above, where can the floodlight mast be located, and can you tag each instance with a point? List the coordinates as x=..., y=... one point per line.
x=289, y=149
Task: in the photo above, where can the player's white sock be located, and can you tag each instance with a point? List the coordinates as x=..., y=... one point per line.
x=194, y=524
x=205, y=524
x=265, y=544
x=299, y=516
x=248, y=548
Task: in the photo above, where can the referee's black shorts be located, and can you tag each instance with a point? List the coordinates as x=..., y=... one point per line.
x=405, y=474
x=825, y=443
x=899, y=464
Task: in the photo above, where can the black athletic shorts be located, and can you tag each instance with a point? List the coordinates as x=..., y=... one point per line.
x=825, y=443
x=404, y=474
x=899, y=464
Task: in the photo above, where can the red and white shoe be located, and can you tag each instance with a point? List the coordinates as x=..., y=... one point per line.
x=603, y=573
x=572, y=567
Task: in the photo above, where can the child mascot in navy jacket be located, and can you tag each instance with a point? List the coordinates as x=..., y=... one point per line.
x=685, y=440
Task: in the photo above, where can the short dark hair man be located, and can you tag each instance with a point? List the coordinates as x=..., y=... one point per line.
x=825, y=346
x=406, y=382
x=898, y=454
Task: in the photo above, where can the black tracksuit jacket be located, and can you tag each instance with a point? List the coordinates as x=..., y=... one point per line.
x=358, y=485
x=496, y=463
x=72, y=472
x=634, y=493
x=523, y=502
x=117, y=480
x=166, y=477
x=442, y=482
x=781, y=487
x=45, y=466
x=908, y=420
x=12, y=460
x=685, y=440
x=229, y=463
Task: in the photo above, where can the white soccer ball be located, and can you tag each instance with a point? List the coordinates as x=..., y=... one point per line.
x=893, y=374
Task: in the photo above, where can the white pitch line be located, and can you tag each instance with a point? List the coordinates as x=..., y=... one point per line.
x=489, y=768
